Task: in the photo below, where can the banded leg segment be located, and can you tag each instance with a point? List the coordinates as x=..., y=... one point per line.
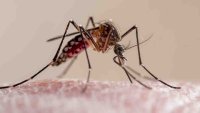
x=140, y=59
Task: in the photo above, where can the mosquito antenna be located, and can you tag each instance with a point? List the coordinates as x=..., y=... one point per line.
x=126, y=48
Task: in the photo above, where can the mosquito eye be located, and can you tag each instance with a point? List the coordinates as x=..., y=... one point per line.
x=121, y=49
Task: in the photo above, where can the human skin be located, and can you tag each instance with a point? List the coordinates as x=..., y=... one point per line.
x=67, y=96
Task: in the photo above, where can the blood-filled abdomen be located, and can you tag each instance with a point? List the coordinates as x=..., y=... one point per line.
x=73, y=48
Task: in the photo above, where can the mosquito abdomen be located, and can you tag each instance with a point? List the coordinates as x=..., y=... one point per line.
x=72, y=49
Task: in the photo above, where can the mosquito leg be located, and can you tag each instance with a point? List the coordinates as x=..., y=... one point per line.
x=86, y=53
x=83, y=32
x=129, y=74
x=140, y=59
x=26, y=80
x=90, y=19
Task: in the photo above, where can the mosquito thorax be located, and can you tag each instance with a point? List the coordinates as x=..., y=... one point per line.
x=107, y=33
x=108, y=26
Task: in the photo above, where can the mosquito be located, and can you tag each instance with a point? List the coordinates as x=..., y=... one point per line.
x=101, y=37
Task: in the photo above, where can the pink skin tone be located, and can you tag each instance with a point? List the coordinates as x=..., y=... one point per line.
x=66, y=96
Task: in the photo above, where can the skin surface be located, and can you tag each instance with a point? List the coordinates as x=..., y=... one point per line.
x=67, y=96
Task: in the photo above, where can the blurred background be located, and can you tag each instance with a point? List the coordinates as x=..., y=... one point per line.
x=171, y=54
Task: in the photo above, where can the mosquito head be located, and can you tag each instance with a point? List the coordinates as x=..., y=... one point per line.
x=119, y=50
